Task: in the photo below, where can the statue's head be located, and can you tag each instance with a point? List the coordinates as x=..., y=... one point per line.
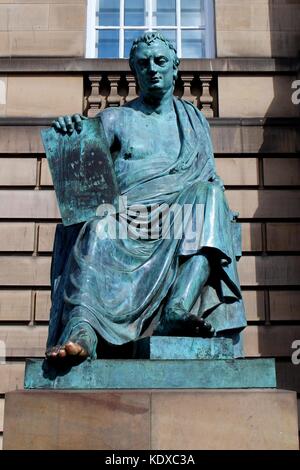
x=154, y=62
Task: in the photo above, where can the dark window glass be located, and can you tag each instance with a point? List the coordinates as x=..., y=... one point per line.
x=109, y=13
x=192, y=44
x=165, y=13
x=108, y=43
x=134, y=13
x=192, y=13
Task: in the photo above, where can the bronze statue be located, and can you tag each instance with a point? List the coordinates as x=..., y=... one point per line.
x=119, y=289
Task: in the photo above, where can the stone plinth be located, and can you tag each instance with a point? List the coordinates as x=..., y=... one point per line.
x=168, y=347
x=151, y=419
x=202, y=398
x=153, y=374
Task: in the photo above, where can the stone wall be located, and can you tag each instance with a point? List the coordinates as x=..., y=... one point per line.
x=42, y=28
x=257, y=28
x=255, y=130
x=258, y=158
x=42, y=95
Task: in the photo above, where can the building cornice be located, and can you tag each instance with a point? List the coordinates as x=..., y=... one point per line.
x=79, y=65
x=224, y=122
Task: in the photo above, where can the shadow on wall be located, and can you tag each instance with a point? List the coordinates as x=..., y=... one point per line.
x=278, y=270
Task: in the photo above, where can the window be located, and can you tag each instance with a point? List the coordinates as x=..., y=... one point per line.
x=112, y=25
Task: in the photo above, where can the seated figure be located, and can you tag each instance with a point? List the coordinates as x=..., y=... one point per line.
x=119, y=289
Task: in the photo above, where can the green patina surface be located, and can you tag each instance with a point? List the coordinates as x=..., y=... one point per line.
x=81, y=169
x=174, y=273
x=157, y=347
x=143, y=374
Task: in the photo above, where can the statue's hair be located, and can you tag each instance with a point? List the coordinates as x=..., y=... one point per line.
x=148, y=38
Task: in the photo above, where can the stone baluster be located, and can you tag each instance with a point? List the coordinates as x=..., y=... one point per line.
x=113, y=99
x=187, y=86
x=132, y=94
x=206, y=99
x=94, y=100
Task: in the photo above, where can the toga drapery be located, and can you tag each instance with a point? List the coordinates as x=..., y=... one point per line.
x=119, y=284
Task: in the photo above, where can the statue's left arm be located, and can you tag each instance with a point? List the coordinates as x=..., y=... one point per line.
x=216, y=179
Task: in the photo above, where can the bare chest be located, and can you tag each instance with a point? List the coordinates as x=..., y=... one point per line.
x=148, y=137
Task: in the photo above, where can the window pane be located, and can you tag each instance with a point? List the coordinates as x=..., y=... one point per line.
x=165, y=14
x=192, y=13
x=193, y=44
x=108, y=43
x=135, y=13
x=109, y=13
x=130, y=35
x=169, y=34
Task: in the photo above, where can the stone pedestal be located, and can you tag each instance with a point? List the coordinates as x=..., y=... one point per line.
x=151, y=419
x=152, y=374
x=185, y=394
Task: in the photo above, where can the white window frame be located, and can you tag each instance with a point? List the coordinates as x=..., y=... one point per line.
x=92, y=27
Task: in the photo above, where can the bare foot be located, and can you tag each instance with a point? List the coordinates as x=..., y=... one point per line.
x=81, y=344
x=190, y=326
x=69, y=349
x=200, y=327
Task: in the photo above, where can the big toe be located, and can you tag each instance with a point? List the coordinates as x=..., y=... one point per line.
x=75, y=349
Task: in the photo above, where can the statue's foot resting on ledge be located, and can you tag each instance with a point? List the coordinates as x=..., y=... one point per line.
x=202, y=328
x=71, y=348
x=82, y=344
x=190, y=326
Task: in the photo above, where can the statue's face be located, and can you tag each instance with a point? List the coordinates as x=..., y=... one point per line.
x=154, y=68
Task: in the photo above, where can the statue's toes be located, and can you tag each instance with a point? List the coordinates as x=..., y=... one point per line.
x=53, y=352
x=207, y=326
x=209, y=329
x=75, y=349
x=62, y=352
x=72, y=349
x=204, y=329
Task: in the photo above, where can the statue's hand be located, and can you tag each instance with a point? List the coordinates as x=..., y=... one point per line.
x=67, y=124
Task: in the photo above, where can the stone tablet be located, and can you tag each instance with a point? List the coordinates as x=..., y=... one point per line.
x=81, y=169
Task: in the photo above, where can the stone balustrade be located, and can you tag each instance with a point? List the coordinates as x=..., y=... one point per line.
x=107, y=89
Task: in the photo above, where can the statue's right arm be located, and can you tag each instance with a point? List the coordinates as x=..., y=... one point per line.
x=67, y=124
x=109, y=118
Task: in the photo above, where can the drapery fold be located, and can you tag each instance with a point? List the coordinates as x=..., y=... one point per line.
x=119, y=284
